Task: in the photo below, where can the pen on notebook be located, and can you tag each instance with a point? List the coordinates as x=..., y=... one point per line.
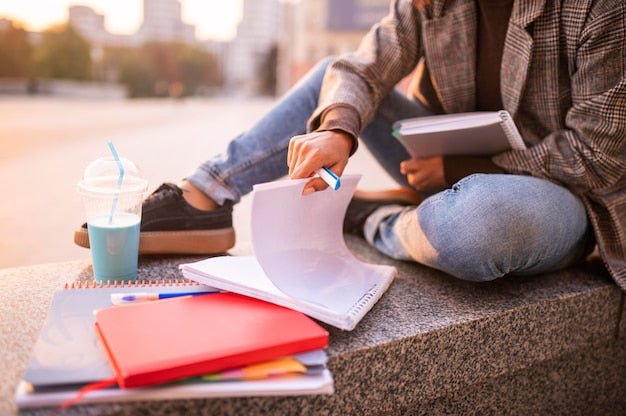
x=329, y=177
x=122, y=298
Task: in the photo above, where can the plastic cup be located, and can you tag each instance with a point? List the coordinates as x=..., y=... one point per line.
x=113, y=211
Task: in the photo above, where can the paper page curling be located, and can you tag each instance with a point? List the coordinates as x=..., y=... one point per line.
x=299, y=243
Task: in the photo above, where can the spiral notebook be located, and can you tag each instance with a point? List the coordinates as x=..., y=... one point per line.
x=480, y=133
x=301, y=260
x=68, y=352
x=68, y=355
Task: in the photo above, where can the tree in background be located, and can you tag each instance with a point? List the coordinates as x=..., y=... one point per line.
x=15, y=52
x=164, y=69
x=62, y=53
x=267, y=72
x=199, y=69
x=152, y=70
x=127, y=67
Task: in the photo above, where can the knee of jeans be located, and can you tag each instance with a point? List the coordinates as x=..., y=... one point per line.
x=474, y=262
x=461, y=251
x=475, y=265
x=480, y=238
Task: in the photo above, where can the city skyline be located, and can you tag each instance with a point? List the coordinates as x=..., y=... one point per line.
x=213, y=19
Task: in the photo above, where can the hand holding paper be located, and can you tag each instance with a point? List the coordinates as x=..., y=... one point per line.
x=318, y=152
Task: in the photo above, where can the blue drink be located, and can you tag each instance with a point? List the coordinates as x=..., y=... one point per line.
x=114, y=247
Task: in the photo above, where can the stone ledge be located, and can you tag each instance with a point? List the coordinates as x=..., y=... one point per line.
x=432, y=345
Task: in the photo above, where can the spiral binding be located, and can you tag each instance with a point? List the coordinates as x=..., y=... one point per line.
x=129, y=284
x=363, y=302
x=511, y=132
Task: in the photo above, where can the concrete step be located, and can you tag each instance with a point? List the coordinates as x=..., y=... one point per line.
x=547, y=344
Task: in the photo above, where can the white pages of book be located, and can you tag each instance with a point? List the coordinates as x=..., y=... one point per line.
x=301, y=260
x=319, y=381
x=289, y=385
x=475, y=133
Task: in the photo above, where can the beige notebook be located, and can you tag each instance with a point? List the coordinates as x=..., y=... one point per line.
x=481, y=133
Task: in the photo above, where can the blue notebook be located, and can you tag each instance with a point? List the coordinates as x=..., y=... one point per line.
x=68, y=352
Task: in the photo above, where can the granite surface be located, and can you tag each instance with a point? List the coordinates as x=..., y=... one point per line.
x=548, y=344
x=583, y=383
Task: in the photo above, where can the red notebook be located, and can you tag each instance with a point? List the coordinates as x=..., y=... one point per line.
x=160, y=341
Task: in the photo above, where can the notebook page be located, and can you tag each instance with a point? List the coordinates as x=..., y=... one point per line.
x=241, y=274
x=299, y=244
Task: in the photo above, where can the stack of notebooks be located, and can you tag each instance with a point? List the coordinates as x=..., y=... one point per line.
x=245, y=327
x=172, y=348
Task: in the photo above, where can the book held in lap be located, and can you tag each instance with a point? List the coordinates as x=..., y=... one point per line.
x=481, y=133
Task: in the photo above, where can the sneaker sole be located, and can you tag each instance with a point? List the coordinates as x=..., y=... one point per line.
x=393, y=195
x=176, y=242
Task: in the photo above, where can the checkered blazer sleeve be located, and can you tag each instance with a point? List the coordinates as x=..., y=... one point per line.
x=589, y=154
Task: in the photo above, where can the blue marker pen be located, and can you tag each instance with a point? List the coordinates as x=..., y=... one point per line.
x=122, y=298
x=329, y=177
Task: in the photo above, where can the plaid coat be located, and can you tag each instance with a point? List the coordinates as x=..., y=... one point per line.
x=563, y=79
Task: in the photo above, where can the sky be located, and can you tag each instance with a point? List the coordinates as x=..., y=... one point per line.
x=214, y=19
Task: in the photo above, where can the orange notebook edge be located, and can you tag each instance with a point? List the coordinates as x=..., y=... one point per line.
x=177, y=372
x=116, y=369
x=139, y=375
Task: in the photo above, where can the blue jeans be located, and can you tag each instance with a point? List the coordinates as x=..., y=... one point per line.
x=483, y=227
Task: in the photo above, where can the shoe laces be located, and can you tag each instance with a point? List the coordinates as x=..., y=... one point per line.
x=164, y=191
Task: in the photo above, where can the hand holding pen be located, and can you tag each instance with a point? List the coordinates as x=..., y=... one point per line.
x=311, y=153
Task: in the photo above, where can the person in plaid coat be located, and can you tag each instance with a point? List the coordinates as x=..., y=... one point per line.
x=561, y=76
x=557, y=67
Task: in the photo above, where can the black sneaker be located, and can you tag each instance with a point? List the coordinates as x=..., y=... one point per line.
x=169, y=225
x=364, y=203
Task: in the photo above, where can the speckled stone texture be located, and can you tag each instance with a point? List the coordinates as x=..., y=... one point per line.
x=433, y=345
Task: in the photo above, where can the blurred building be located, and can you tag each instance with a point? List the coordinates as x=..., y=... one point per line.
x=162, y=22
x=299, y=32
x=257, y=34
x=314, y=29
x=90, y=25
x=302, y=31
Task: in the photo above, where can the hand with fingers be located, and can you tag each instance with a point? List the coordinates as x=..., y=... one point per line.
x=424, y=175
x=310, y=152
